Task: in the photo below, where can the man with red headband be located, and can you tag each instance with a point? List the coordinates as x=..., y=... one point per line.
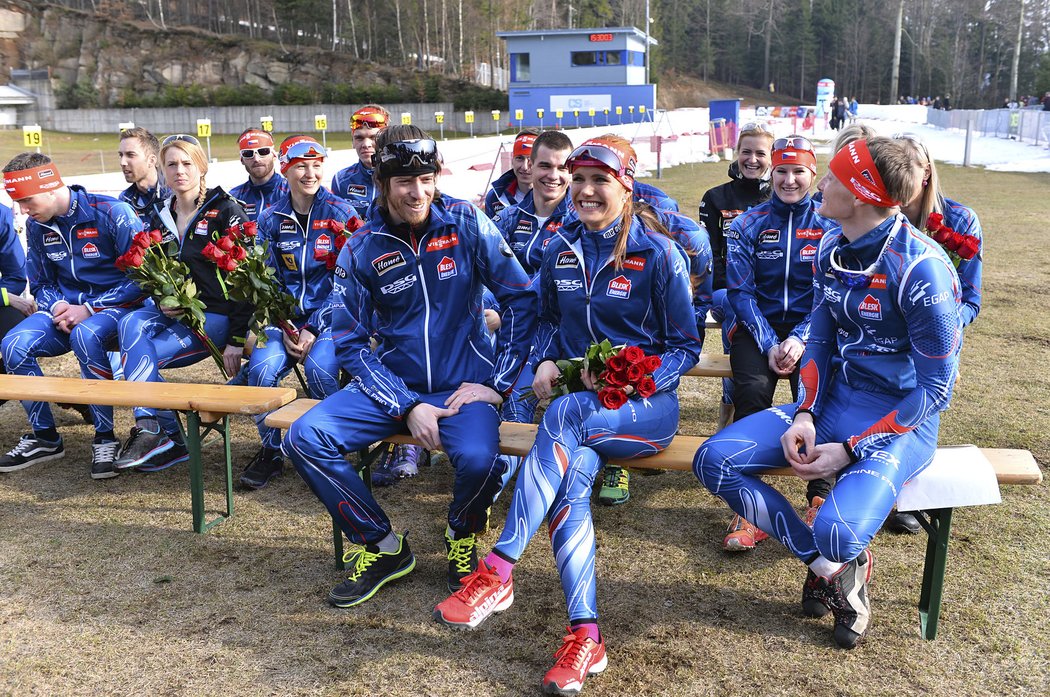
x=74, y=239
x=878, y=369
x=265, y=184
x=355, y=183
x=511, y=186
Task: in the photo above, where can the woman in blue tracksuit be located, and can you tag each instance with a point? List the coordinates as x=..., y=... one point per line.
x=603, y=277
x=413, y=279
x=152, y=338
x=302, y=230
x=769, y=282
x=878, y=369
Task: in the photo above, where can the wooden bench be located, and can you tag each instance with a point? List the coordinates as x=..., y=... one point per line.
x=206, y=408
x=1010, y=467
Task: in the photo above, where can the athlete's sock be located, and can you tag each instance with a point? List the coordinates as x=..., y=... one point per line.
x=825, y=567
x=148, y=424
x=503, y=567
x=592, y=630
x=390, y=543
x=47, y=434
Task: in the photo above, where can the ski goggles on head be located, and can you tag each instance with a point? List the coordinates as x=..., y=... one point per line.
x=248, y=153
x=407, y=158
x=755, y=127
x=597, y=154
x=300, y=148
x=177, y=137
x=793, y=150
x=793, y=143
x=367, y=119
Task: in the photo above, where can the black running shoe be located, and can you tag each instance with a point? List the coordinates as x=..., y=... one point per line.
x=813, y=602
x=847, y=596
x=372, y=570
x=142, y=448
x=29, y=451
x=902, y=523
x=102, y=457
x=172, y=456
x=462, y=555
x=267, y=464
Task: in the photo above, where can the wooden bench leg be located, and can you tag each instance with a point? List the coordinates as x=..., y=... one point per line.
x=193, y=435
x=938, y=527
x=364, y=470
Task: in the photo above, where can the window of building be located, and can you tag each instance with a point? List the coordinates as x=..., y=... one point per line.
x=519, y=68
x=581, y=58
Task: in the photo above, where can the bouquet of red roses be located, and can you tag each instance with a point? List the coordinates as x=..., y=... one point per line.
x=341, y=234
x=957, y=246
x=155, y=267
x=619, y=372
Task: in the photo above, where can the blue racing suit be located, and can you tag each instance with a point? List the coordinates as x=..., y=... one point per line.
x=300, y=258
x=354, y=184
x=964, y=221
x=256, y=198
x=12, y=258
x=584, y=298
x=693, y=240
x=72, y=260
x=878, y=369
x=504, y=193
x=147, y=204
x=419, y=293
x=657, y=198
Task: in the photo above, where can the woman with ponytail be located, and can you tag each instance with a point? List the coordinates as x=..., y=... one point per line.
x=603, y=276
x=153, y=338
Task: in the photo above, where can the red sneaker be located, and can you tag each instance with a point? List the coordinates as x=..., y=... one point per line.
x=577, y=658
x=481, y=594
x=742, y=535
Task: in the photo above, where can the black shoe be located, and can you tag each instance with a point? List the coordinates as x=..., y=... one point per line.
x=462, y=555
x=102, y=457
x=372, y=570
x=902, y=523
x=31, y=450
x=847, y=596
x=172, y=456
x=267, y=464
x=83, y=409
x=813, y=602
x=142, y=448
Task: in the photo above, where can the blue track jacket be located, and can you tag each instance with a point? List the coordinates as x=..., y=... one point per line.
x=257, y=198
x=354, y=185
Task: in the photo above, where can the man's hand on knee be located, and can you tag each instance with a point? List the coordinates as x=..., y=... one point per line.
x=423, y=424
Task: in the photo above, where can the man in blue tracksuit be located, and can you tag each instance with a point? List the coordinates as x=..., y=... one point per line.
x=413, y=278
x=74, y=239
x=654, y=196
x=303, y=230
x=355, y=183
x=878, y=369
x=511, y=187
x=139, y=152
x=265, y=184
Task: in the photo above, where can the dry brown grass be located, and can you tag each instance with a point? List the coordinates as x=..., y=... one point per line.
x=104, y=590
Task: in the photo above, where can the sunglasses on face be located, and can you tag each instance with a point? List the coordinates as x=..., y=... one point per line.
x=590, y=155
x=261, y=152
x=793, y=143
x=180, y=136
x=367, y=121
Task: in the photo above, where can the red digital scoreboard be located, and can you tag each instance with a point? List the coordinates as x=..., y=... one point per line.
x=601, y=37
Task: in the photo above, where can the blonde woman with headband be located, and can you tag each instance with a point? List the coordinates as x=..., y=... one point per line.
x=153, y=338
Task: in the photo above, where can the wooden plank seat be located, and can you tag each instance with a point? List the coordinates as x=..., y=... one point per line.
x=1010, y=466
x=206, y=408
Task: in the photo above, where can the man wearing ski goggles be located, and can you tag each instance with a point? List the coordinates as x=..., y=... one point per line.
x=354, y=183
x=265, y=184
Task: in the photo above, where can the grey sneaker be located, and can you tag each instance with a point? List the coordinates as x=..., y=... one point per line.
x=102, y=457
x=142, y=448
x=404, y=464
x=846, y=593
x=29, y=451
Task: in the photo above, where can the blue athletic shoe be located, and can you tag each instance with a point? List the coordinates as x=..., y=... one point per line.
x=403, y=464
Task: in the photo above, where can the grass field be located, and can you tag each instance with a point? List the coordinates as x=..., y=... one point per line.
x=103, y=589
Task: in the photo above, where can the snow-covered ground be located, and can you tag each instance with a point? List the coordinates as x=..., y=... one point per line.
x=471, y=163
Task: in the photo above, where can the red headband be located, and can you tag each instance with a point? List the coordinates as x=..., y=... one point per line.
x=24, y=183
x=255, y=139
x=853, y=166
x=795, y=156
x=523, y=144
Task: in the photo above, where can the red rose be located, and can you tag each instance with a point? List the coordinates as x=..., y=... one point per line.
x=941, y=235
x=612, y=397
x=615, y=378
x=155, y=236
x=229, y=264
x=340, y=242
x=646, y=387
x=635, y=373
x=212, y=252
x=616, y=362
x=969, y=248
x=320, y=254
x=121, y=263
x=238, y=253
x=335, y=226
x=234, y=230
x=135, y=259
x=354, y=224
x=652, y=363
x=141, y=240
x=329, y=263
x=250, y=228
x=633, y=354
x=225, y=244
x=953, y=242
x=934, y=222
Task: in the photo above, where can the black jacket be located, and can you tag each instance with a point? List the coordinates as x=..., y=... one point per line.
x=720, y=205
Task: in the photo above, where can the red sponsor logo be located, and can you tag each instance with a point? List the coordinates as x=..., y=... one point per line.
x=870, y=308
x=446, y=268
x=322, y=224
x=634, y=263
x=807, y=253
x=323, y=243
x=619, y=287
x=878, y=281
x=813, y=233
x=213, y=213
x=439, y=243
x=85, y=233
x=89, y=251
